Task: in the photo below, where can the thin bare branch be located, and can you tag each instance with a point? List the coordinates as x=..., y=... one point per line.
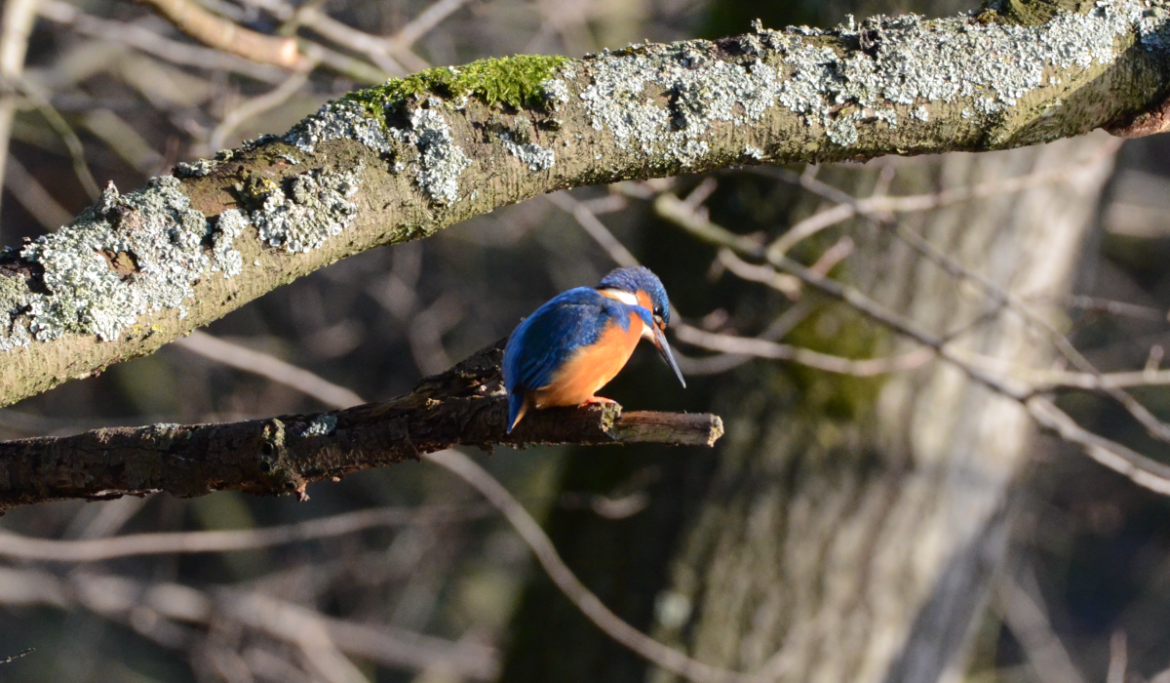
x=255, y=107
x=1030, y=625
x=1110, y=307
x=34, y=197
x=761, y=348
x=593, y=226
x=255, y=362
x=18, y=19
x=421, y=25
x=120, y=599
x=571, y=587
x=23, y=653
x=230, y=37
x=145, y=40
x=1141, y=470
x=880, y=206
x=170, y=543
x=62, y=128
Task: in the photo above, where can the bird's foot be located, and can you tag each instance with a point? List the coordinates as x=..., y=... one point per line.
x=598, y=399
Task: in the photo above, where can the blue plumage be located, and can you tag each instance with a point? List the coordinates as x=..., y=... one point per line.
x=572, y=321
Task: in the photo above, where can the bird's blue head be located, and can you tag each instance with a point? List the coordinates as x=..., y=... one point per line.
x=645, y=287
x=638, y=286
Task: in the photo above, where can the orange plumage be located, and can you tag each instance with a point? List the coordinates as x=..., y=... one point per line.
x=591, y=367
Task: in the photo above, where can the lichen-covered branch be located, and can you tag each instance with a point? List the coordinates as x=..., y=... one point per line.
x=280, y=455
x=403, y=160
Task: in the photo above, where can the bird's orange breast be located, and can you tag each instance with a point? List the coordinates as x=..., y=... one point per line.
x=591, y=367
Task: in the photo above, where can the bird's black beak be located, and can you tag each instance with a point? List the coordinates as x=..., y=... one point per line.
x=664, y=349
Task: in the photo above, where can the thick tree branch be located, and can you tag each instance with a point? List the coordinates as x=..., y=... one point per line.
x=403, y=160
x=280, y=455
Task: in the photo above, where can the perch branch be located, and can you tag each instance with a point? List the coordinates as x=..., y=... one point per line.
x=280, y=455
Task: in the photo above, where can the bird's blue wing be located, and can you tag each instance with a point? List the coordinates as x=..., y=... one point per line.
x=541, y=344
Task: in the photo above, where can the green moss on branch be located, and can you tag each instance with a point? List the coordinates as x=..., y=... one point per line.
x=515, y=81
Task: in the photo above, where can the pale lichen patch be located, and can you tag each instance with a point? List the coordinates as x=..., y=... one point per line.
x=322, y=425
x=537, y=158
x=342, y=119
x=224, y=257
x=13, y=301
x=556, y=92
x=316, y=207
x=195, y=169
x=440, y=160
x=125, y=256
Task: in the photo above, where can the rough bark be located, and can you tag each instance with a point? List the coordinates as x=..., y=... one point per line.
x=403, y=160
x=281, y=455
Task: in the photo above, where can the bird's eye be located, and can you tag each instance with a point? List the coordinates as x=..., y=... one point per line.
x=658, y=311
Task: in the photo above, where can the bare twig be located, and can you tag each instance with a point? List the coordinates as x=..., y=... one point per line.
x=810, y=226
x=585, y=600
x=777, y=329
x=18, y=19
x=255, y=107
x=422, y=24
x=386, y=53
x=1137, y=467
x=1110, y=307
x=761, y=348
x=145, y=40
x=230, y=37
x=593, y=226
x=881, y=206
x=97, y=550
x=1118, y=658
x=34, y=197
x=255, y=362
x=346, y=65
x=121, y=137
x=23, y=653
x=62, y=128
x=1030, y=625
x=160, y=604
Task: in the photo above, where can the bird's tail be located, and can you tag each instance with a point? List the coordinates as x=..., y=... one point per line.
x=517, y=406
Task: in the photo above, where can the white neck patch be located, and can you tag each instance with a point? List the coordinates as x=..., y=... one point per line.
x=625, y=297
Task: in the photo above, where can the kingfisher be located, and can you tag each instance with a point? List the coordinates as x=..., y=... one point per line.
x=581, y=339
